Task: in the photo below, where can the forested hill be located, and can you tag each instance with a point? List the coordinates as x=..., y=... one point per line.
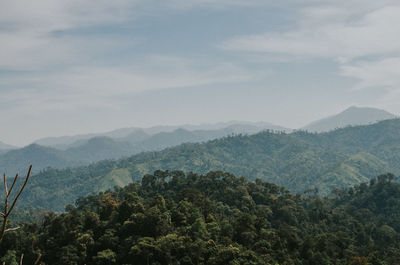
x=298, y=161
x=217, y=219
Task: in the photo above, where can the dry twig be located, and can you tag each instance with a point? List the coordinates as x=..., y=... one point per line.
x=8, y=209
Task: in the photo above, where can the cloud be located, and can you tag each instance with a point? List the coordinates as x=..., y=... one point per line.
x=94, y=86
x=360, y=36
x=29, y=39
x=378, y=73
x=61, y=59
x=184, y=4
x=63, y=14
x=321, y=35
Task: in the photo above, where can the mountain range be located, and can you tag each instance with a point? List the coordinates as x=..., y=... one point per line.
x=299, y=161
x=86, y=151
x=72, y=151
x=136, y=134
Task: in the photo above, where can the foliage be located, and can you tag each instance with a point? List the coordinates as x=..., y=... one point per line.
x=218, y=218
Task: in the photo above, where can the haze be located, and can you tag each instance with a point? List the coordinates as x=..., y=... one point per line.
x=69, y=67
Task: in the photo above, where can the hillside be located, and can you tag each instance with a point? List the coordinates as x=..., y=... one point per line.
x=350, y=117
x=299, y=161
x=215, y=219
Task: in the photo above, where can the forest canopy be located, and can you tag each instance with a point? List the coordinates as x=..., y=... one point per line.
x=216, y=218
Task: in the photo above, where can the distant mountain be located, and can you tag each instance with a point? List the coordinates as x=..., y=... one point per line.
x=65, y=142
x=242, y=126
x=18, y=160
x=163, y=140
x=351, y=116
x=298, y=161
x=4, y=146
x=99, y=148
x=135, y=134
x=86, y=151
x=134, y=137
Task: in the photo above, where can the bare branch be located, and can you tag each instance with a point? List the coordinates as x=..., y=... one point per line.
x=12, y=229
x=20, y=191
x=7, y=211
x=38, y=259
x=3, y=228
x=5, y=183
x=12, y=186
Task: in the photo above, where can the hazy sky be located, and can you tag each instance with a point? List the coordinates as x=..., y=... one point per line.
x=75, y=66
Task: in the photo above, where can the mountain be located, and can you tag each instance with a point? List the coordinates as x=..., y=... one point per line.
x=18, y=160
x=134, y=137
x=246, y=126
x=99, y=148
x=135, y=134
x=349, y=117
x=65, y=142
x=86, y=151
x=163, y=140
x=4, y=146
x=93, y=150
x=299, y=161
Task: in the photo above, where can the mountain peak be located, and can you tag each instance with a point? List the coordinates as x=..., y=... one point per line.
x=359, y=109
x=351, y=116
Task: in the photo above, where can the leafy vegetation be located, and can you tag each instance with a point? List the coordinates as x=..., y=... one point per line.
x=217, y=218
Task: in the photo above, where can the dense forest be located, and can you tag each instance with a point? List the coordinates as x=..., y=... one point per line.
x=297, y=161
x=216, y=218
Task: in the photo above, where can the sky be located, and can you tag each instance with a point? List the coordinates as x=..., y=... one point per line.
x=70, y=67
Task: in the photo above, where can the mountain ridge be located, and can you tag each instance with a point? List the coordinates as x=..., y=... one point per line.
x=62, y=142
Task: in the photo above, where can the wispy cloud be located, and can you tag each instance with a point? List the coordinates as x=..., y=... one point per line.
x=28, y=31
x=321, y=34
x=361, y=36
x=91, y=86
x=383, y=73
x=184, y=4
